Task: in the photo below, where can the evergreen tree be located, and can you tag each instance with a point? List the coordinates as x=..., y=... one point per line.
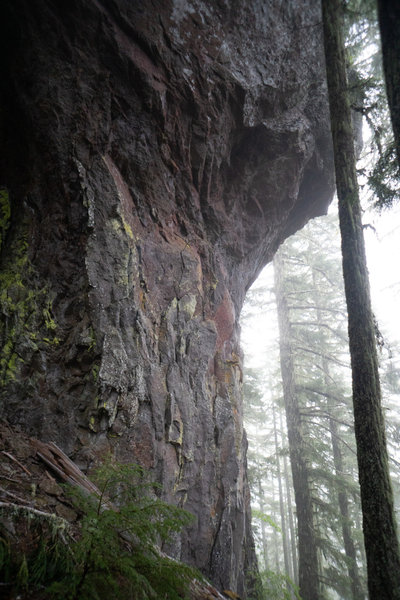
x=314, y=291
x=382, y=549
x=308, y=558
x=368, y=99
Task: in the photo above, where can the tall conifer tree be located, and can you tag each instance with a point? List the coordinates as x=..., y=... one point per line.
x=382, y=549
x=307, y=549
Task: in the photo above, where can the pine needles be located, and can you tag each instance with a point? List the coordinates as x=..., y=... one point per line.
x=116, y=551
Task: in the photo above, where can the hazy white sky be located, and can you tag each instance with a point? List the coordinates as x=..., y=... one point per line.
x=383, y=257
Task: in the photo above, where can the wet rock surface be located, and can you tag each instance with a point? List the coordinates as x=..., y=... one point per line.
x=155, y=155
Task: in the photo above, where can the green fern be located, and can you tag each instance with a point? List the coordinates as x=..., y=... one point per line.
x=117, y=551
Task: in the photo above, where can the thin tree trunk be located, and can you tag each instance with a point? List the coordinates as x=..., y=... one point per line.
x=275, y=535
x=281, y=502
x=308, y=557
x=263, y=531
x=389, y=25
x=293, y=540
x=382, y=548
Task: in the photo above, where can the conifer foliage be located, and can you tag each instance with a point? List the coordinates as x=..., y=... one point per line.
x=116, y=550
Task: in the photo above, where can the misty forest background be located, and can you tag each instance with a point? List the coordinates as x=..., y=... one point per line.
x=309, y=268
x=295, y=337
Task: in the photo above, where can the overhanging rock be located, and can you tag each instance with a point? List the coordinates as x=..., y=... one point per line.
x=155, y=155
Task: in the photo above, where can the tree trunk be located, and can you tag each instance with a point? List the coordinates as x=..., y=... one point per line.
x=293, y=540
x=308, y=557
x=382, y=549
x=263, y=531
x=349, y=548
x=389, y=24
x=275, y=534
x=362, y=546
x=285, y=545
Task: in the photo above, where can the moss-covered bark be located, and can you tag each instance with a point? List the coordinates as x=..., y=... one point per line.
x=382, y=550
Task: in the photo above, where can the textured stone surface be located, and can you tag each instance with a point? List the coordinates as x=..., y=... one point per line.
x=156, y=154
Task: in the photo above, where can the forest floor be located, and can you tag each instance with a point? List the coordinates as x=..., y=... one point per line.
x=24, y=478
x=31, y=478
x=29, y=490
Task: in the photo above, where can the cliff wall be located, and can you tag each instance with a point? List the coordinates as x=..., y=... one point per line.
x=154, y=156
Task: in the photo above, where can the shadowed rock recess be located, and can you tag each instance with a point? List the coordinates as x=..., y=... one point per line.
x=154, y=154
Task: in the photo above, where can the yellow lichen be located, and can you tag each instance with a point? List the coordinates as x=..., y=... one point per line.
x=26, y=318
x=128, y=228
x=5, y=214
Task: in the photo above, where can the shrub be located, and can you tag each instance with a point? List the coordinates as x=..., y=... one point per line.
x=116, y=550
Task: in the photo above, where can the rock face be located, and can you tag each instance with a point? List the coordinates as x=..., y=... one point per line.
x=154, y=156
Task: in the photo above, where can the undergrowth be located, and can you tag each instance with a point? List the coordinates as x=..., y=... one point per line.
x=270, y=585
x=116, y=551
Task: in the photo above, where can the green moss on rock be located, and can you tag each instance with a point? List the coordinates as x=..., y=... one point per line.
x=27, y=324
x=5, y=214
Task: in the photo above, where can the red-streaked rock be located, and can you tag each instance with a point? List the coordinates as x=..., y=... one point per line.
x=156, y=154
